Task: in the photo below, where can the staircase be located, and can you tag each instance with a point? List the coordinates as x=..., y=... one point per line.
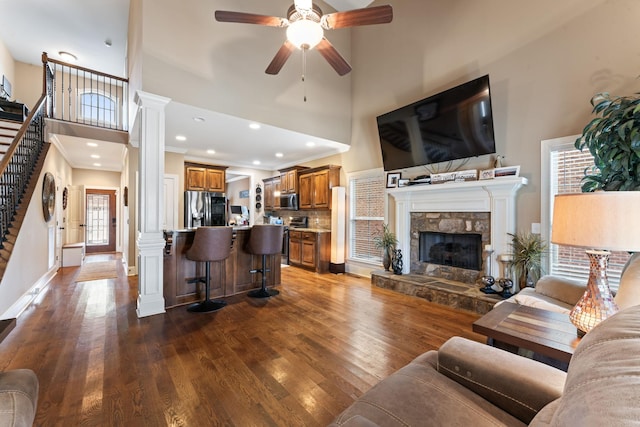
x=8, y=131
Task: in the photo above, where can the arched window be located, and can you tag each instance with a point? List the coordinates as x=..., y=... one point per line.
x=96, y=108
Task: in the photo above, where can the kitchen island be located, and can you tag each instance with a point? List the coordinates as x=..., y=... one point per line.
x=229, y=277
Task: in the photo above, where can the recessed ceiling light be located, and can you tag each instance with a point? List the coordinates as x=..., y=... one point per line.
x=254, y=126
x=256, y=162
x=97, y=164
x=181, y=138
x=92, y=144
x=68, y=56
x=211, y=151
x=279, y=155
x=198, y=119
x=108, y=43
x=95, y=156
x=311, y=144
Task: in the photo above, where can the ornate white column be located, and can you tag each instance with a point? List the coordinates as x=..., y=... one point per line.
x=148, y=130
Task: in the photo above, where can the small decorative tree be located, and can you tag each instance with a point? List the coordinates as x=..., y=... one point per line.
x=387, y=242
x=528, y=250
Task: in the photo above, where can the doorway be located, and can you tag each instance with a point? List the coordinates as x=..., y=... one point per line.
x=101, y=222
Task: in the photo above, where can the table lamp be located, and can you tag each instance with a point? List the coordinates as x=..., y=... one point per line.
x=600, y=222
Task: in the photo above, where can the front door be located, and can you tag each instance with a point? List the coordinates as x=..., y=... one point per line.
x=101, y=222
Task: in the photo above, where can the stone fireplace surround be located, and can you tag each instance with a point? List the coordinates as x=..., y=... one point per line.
x=496, y=196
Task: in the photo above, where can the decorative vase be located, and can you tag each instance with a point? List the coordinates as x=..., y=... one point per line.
x=386, y=258
x=396, y=264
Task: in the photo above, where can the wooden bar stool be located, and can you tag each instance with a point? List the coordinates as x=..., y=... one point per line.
x=264, y=240
x=209, y=244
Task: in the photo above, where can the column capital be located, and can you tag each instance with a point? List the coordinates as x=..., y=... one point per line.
x=150, y=100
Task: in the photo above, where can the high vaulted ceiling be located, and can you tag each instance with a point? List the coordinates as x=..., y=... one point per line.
x=96, y=32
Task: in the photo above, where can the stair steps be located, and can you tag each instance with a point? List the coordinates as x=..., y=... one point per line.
x=8, y=131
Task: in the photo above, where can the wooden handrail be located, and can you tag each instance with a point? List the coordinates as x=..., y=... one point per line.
x=23, y=129
x=46, y=59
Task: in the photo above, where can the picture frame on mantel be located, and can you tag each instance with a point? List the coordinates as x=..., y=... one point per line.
x=392, y=179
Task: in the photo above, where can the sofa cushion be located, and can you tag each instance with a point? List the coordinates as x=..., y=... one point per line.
x=603, y=381
x=564, y=290
x=531, y=298
x=418, y=394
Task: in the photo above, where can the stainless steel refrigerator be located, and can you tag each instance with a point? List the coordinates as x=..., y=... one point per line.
x=204, y=208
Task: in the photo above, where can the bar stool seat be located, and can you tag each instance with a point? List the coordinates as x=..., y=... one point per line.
x=210, y=244
x=264, y=240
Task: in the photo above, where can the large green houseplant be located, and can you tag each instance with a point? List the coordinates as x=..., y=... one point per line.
x=387, y=242
x=613, y=138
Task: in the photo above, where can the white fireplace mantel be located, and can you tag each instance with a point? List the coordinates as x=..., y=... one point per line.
x=497, y=196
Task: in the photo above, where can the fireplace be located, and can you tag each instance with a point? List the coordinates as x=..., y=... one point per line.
x=452, y=249
x=486, y=207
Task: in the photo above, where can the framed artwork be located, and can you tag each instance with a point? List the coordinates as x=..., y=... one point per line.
x=507, y=171
x=392, y=179
x=244, y=194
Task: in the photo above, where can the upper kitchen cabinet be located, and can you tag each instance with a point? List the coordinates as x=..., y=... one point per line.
x=289, y=179
x=204, y=177
x=315, y=187
x=271, y=193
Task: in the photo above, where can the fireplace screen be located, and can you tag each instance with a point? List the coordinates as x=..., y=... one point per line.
x=452, y=249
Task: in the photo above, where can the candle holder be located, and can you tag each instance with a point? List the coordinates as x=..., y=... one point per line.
x=487, y=279
x=505, y=281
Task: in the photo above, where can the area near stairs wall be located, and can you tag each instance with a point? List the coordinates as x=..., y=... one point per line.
x=28, y=266
x=6, y=63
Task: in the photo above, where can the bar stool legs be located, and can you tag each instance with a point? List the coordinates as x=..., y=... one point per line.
x=207, y=305
x=263, y=292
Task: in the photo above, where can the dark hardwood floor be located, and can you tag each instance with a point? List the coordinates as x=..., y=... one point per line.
x=297, y=359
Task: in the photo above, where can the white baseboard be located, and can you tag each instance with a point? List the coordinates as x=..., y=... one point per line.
x=23, y=302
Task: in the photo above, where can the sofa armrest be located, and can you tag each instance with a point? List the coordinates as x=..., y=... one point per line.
x=517, y=385
x=18, y=397
x=565, y=290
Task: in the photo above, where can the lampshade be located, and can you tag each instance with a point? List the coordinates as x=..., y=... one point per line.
x=603, y=221
x=305, y=33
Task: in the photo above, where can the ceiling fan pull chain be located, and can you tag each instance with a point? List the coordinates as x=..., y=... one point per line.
x=304, y=72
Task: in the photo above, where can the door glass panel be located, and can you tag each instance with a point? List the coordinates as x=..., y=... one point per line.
x=97, y=219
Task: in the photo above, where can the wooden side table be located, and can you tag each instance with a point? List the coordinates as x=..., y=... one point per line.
x=6, y=326
x=544, y=332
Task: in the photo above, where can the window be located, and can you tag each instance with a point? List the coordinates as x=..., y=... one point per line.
x=96, y=108
x=563, y=167
x=366, y=215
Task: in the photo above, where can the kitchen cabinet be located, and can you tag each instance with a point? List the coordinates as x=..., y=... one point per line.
x=310, y=249
x=289, y=179
x=204, y=177
x=315, y=187
x=271, y=193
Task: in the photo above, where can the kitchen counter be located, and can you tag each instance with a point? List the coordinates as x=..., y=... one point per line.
x=313, y=230
x=230, y=277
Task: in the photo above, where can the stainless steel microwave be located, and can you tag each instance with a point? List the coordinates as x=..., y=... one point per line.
x=289, y=202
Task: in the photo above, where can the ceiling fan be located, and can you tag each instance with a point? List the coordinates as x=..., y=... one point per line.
x=305, y=25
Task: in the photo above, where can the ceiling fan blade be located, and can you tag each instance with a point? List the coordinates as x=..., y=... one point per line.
x=333, y=57
x=250, y=18
x=356, y=17
x=281, y=57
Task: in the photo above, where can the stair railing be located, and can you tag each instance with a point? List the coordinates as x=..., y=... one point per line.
x=81, y=95
x=17, y=165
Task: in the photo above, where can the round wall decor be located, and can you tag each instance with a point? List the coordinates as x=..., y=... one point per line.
x=48, y=196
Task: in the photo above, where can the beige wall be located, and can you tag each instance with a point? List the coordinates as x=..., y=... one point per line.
x=28, y=84
x=7, y=65
x=29, y=260
x=174, y=164
x=96, y=179
x=546, y=59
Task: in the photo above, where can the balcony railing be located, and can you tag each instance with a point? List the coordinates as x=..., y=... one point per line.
x=81, y=95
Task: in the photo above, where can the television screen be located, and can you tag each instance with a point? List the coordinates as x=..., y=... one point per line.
x=454, y=124
x=236, y=209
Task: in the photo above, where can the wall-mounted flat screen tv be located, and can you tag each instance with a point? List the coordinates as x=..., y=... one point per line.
x=451, y=125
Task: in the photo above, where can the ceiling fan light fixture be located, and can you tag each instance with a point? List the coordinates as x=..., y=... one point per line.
x=305, y=34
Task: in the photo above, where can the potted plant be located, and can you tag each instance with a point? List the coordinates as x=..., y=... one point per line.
x=387, y=242
x=613, y=138
x=526, y=262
